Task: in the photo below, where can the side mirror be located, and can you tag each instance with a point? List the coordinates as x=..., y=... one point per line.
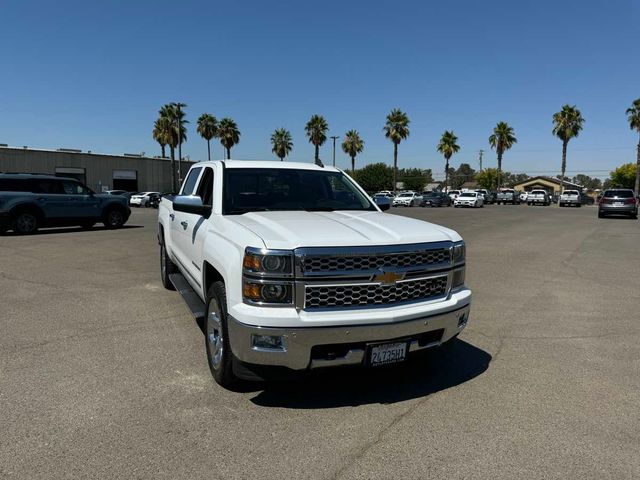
x=191, y=204
x=384, y=203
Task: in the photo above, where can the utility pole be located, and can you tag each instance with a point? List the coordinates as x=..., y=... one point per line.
x=333, y=137
x=481, y=152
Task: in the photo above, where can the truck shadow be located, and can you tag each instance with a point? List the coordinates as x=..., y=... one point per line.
x=424, y=375
x=55, y=230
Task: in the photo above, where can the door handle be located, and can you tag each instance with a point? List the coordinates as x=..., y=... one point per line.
x=184, y=225
x=172, y=217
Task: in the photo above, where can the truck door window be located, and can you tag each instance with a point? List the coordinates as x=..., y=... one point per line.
x=205, y=188
x=190, y=182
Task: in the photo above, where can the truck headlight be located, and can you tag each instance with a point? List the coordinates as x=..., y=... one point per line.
x=271, y=293
x=273, y=263
x=459, y=253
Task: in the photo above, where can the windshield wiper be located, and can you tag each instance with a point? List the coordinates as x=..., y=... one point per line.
x=248, y=210
x=319, y=209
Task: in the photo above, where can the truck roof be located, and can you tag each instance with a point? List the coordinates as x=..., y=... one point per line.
x=271, y=164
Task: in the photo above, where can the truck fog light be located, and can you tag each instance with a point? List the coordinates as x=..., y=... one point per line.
x=462, y=319
x=267, y=342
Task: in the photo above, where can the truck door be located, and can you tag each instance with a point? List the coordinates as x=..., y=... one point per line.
x=192, y=227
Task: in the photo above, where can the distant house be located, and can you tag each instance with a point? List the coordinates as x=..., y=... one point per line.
x=431, y=187
x=469, y=186
x=550, y=184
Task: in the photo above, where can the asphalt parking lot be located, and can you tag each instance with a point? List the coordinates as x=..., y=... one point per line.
x=103, y=373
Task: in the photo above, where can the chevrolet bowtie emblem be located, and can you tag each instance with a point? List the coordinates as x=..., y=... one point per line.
x=388, y=278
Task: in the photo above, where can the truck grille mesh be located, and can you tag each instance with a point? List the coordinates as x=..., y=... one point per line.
x=362, y=295
x=337, y=263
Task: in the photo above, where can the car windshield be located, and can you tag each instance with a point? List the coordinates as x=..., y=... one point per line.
x=468, y=194
x=618, y=193
x=267, y=189
x=405, y=195
x=570, y=192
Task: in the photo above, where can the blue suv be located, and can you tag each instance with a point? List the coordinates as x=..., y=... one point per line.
x=31, y=201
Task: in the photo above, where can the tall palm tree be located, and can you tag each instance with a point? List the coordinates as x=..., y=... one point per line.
x=502, y=139
x=316, y=129
x=160, y=133
x=281, y=143
x=352, y=146
x=396, y=129
x=207, y=128
x=447, y=146
x=567, y=124
x=176, y=133
x=228, y=134
x=633, y=114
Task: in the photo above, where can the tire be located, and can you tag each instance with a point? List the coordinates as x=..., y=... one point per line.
x=167, y=267
x=113, y=218
x=219, y=355
x=411, y=204
x=25, y=222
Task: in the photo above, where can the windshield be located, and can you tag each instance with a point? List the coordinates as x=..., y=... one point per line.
x=404, y=195
x=618, y=193
x=570, y=192
x=267, y=189
x=467, y=194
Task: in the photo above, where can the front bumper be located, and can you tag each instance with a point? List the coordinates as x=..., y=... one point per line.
x=465, y=204
x=349, y=340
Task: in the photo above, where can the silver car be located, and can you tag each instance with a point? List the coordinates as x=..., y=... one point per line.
x=618, y=201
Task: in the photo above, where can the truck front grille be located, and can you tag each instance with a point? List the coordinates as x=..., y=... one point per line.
x=318, y=264
x=374, y=294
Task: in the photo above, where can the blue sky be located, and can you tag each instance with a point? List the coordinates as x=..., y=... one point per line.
x=92, y=75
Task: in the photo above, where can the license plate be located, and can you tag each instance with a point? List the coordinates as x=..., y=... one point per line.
x=387, y=353
x=618, y=204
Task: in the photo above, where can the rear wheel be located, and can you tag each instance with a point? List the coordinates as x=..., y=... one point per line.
x=219, y=355
x=167, y=267
x=113, y=218
x=25, y=223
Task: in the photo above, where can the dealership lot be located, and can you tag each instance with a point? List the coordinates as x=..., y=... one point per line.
x=103, y=372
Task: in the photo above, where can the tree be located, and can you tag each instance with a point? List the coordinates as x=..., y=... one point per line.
x=624, y=176
x=463, y=174
x=352, y=146
x=396, y=129
x=374, y=177
x=488, y=178
x=633, y=115
x=208, y=129
x=567, y=124
x=588, y=182
x=316, y=129
x=161, y=133
x=412, y=179
x=281, y=143
x=228, y=134
x=502, y=140
x=176, y=133
x=447, y=147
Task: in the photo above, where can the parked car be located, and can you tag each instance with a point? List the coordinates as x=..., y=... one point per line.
x=435, y=199
x=382, y=201
x=538, y=197
x=469, y=199
x=453, y=194
x=487, y=196
x=141, y=199
x=618, y=201
x=508, y=196
x=407, y=199
x=154, y=200
x=29, y=202
x=386, y=193
x=586, y=199
x=569, y=198
x=287, y=275
x=524, y=196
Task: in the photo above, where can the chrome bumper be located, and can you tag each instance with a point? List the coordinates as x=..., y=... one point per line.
x=298, y=342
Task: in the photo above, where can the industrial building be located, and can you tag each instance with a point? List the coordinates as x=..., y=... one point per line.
x=100, y=172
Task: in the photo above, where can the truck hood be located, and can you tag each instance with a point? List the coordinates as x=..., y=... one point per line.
x=293, y=229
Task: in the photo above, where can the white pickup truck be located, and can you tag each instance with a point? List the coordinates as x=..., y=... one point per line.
x=569, y=198
x=293, y=267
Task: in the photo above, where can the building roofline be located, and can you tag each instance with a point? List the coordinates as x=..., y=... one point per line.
x=70, y=151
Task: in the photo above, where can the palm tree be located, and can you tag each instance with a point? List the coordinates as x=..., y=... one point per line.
x=352, y=146
x=448, y=146
x=502, y=140
x=228, y=134
x=161, y=132
x=281, y=143
x=633, y=114
x=316, y=129
x=207, y=128
x=567, y=124
x=176, y=133
x=396, y=129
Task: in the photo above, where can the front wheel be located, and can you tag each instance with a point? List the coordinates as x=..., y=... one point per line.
x=219, y=355
x=167, y=267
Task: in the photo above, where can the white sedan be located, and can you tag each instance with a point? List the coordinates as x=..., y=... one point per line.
x=141, y=199
x=469, y=199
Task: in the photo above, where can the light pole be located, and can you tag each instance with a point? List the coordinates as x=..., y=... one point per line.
x=334, y=137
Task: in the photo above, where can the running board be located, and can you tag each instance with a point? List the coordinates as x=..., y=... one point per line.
x=190, y=297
